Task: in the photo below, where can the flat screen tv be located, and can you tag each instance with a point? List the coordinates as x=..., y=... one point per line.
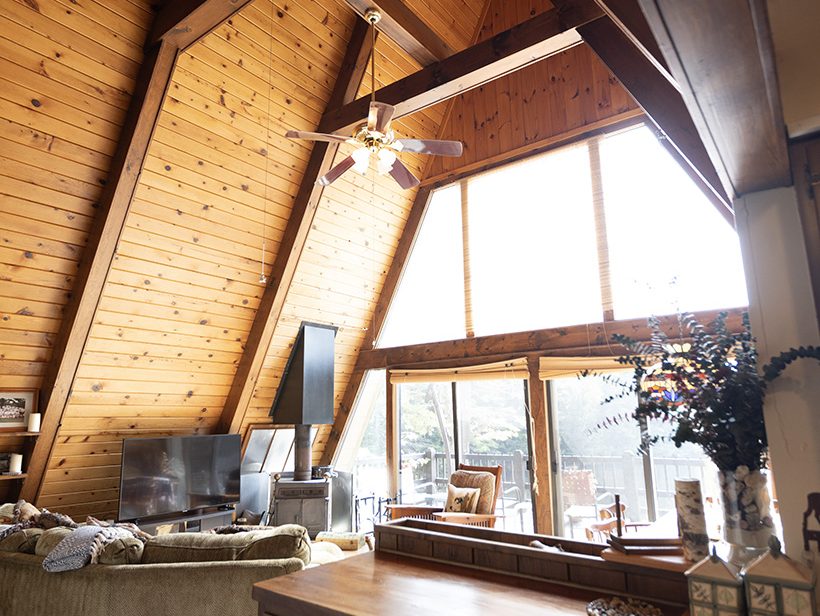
x=174, y=475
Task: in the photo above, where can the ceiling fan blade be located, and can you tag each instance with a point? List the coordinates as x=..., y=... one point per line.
x=403, y=176
x=331, y=176
x=437, y=147
x=379, y=116
x=301, y=134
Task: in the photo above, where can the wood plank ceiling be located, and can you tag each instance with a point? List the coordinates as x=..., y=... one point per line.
x=219, y=180
x=184, y=287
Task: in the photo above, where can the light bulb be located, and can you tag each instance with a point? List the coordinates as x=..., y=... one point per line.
x=362, y=160
x=386, y=160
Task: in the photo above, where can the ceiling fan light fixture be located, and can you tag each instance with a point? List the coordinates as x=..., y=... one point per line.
x=387, y=159
x=362, y=160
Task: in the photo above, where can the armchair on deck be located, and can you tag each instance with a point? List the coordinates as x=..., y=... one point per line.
x=486, y=478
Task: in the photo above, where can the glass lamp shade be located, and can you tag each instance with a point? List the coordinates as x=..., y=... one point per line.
x=362, y=160
x=386, y=160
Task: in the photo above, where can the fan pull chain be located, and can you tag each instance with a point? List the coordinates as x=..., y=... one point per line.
x=262, y=278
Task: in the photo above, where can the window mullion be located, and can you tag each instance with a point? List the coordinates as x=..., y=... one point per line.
x=465, y=242
x=597, y=186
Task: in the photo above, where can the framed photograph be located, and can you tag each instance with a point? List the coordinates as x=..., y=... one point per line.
x=15, y=407
x=5, y=463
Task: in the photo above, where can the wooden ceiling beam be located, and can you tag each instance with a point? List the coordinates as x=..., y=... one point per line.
x=402, y=26
x=662, y=103
x=627, y=15
x=182, y=22
x=575, y=338
x=293, y=242
x=533, y=40
x=721, y=55
x=126, y=165
x=391, y=283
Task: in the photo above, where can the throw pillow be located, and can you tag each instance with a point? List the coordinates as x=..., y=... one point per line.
x=461, y=500
x=50, y=538
x=125, y=551
x=482, y=480
x=22, y=541
x=25, y=512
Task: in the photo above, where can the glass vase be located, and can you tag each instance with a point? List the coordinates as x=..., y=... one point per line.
x=747, y=518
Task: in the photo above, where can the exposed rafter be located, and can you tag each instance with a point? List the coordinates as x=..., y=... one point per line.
x=183, y=22
x=662, y=103
x=402, y=26
x=391, y=283
x=627, y=15
x=293, y=241
x=566, y=340
x=507, y=52
x=126, y=166
x=721, y=55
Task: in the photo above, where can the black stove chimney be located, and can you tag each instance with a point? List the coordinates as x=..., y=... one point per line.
x=305, y=393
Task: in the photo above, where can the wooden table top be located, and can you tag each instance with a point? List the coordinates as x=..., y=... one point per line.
x=378, y=583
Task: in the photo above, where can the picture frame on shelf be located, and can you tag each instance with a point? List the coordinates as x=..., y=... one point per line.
x=5, y=463
x=15, y=407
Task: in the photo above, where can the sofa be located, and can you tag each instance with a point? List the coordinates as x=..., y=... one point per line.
x=184, y=574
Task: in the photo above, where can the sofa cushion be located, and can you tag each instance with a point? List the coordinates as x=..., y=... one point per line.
x=125, y=551
x=24, y=540
x=285, y=541
x=50, y=538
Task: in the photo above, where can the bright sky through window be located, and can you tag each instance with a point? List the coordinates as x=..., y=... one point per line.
x=670, y=250
x=533, y=256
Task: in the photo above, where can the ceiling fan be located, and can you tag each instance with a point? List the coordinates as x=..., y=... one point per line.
x=376, y=140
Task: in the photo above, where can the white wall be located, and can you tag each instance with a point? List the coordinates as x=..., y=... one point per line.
x=783, y=315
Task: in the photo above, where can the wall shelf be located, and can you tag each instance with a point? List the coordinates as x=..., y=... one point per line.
x=10, y=477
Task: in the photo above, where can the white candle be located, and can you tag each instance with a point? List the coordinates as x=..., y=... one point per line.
x=34, y=422
x=16, y=464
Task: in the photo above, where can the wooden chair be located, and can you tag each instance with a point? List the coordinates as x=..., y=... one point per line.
x=434, y=512
x=600, y=531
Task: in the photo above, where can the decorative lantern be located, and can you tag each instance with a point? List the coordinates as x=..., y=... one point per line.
x=715, y=588
x=778, y=585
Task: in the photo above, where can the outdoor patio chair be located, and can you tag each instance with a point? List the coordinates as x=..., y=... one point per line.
x=465, y=477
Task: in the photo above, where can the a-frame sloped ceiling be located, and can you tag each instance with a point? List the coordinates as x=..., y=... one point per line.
x=179, y=301
x=66, y=73
x=354, y=236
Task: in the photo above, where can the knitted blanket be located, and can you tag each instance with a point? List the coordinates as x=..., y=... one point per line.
x=82, y=547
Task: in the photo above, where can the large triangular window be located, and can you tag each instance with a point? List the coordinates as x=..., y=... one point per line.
x=610, y=227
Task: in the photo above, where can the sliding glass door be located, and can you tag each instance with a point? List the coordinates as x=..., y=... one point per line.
x=427, y=446
x=492, y=428
x=476, y=423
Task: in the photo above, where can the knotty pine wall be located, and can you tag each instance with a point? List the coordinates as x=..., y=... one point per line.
x=66, y=73
x=561, y=94
x=181, y=296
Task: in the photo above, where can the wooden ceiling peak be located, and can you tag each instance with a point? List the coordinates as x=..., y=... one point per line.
x=401, y=25
x=535, y=39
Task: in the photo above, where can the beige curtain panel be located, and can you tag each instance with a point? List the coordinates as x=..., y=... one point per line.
x=557, y=367
x=511, y=369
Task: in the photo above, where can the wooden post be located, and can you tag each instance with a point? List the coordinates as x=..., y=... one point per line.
x=540, y=461
x=392, y=442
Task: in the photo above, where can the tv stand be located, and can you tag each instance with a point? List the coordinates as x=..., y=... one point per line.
x=190, y=521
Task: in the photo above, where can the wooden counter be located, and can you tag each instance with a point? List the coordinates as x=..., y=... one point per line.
x=376, y=583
